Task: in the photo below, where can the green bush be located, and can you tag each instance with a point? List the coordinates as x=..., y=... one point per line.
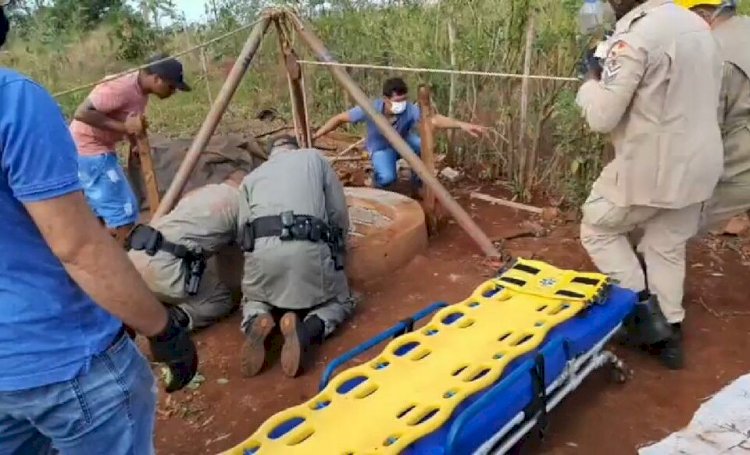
x=490, y=37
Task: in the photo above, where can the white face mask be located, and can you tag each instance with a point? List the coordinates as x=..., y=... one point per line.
x=398, y=107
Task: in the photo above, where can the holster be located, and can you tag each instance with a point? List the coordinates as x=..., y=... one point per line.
x=146, y=238
x=248, y=238
x=195, y=266
x=337, y=243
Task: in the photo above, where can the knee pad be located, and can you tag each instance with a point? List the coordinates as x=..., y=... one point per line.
x=646, y=324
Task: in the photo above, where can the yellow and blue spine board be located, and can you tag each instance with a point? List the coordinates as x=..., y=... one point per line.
x=414, y=385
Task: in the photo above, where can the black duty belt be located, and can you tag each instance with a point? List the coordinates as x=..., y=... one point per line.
x=147, y=239
x=289, y=226
x=295, y=227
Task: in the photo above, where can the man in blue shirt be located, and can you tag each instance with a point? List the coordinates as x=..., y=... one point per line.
x=404, y=117
x=70, y=378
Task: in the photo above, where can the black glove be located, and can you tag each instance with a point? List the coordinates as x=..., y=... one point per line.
x=591, y=66
x=174, y=348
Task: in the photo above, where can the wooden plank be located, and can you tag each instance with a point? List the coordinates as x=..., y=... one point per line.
x=507, y=203
x=427, y=136
x=147, y=169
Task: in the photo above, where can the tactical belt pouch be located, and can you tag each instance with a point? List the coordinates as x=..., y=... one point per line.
x=288, y=226
x=145, y=238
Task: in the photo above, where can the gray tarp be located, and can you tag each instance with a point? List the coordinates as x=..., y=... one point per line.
x=222, y=155
x=721, y=426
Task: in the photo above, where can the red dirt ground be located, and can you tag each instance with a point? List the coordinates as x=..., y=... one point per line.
x=600, y=417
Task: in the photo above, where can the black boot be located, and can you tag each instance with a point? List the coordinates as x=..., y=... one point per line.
x=670, y=351
x=646, y=325
x=253, y=354
x=299, y=337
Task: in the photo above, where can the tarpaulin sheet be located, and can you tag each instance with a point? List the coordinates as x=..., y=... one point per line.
x=721, y=426
x=223, y=155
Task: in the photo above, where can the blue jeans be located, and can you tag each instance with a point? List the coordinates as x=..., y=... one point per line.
x=384, y=162
x=108, y=409
x=108, y=190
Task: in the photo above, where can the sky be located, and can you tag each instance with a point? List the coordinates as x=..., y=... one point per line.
x=193, y=9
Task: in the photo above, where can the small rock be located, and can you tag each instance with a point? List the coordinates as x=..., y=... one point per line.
x=536, y=229
x=450, y=174
x=196, y=382
x=737, y=225
x=550, y=214
x=222, y=381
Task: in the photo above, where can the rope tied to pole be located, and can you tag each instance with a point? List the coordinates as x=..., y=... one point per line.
x=439, y=71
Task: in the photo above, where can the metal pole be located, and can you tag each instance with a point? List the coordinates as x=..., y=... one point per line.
x=213, y=118
x=398, y=143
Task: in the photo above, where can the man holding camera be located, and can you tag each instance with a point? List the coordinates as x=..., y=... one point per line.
x=293, y=225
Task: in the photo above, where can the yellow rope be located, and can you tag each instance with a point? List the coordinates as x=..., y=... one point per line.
x=440, y=71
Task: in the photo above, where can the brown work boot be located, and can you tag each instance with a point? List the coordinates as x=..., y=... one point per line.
x=254, y=349
x=298, y=339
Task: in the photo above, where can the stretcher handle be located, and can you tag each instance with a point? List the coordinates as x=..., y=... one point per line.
x=403, y=327
x=493, y=395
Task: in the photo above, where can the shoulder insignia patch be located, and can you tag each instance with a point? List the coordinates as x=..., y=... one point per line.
x=612, y=64
x=611, y=69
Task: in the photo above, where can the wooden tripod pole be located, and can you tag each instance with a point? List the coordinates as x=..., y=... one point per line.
x=147, y=169
x=398, y=143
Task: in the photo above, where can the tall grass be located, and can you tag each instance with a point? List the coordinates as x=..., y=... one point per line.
x=554, y=153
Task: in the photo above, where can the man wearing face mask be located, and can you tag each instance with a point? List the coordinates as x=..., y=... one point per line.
x=732, y=32
x=668, y=158
x=404, y=117
x=111, y=112
x=70, y=378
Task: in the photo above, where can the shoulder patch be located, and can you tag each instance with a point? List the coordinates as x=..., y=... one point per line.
x=618, y=48
x=613, y=63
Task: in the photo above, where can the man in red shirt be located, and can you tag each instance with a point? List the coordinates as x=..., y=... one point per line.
x=113, y=111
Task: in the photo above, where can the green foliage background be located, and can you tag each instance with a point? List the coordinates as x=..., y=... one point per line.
x=66, y=43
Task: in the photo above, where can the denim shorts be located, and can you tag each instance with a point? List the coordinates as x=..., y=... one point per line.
x=107, y=189
x=109, y=409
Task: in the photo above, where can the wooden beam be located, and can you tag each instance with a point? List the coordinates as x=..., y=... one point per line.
x=427, y=136
x=507, y=203
x=147, y=169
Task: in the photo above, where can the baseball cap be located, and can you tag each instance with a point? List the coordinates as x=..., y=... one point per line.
x=170, y=70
